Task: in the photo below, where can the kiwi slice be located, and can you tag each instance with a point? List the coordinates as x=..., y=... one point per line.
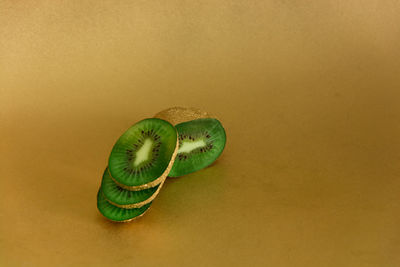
x=123, y=198
x=201, y=142
x=117, y=214
x=143, y=156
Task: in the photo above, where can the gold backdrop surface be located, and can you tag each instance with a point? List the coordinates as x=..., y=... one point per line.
x=308, y=92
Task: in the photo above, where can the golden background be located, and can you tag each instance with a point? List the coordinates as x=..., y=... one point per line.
x=308, y=92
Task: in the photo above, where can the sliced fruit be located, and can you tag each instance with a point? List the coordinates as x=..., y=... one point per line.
x=143, y=155
x=123, y=198
x=117, y=214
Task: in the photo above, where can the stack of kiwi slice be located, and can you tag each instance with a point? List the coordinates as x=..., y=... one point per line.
x=176, y=142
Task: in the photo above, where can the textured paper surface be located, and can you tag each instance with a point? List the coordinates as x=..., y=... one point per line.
x=308, y=92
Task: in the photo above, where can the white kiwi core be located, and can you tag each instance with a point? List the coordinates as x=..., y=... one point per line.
x=144, y=152
x=188, y=146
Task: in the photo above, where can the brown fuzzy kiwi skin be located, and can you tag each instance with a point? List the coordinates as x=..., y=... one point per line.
x=176, y=115
x=156, y=181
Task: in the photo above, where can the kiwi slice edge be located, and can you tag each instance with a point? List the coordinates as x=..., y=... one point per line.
x=139, y=204
x=102, y=201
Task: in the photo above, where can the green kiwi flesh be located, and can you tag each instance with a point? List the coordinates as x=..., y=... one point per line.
x=123, y=198
x=114, y=213
x=201, y=142
x=143, y=153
